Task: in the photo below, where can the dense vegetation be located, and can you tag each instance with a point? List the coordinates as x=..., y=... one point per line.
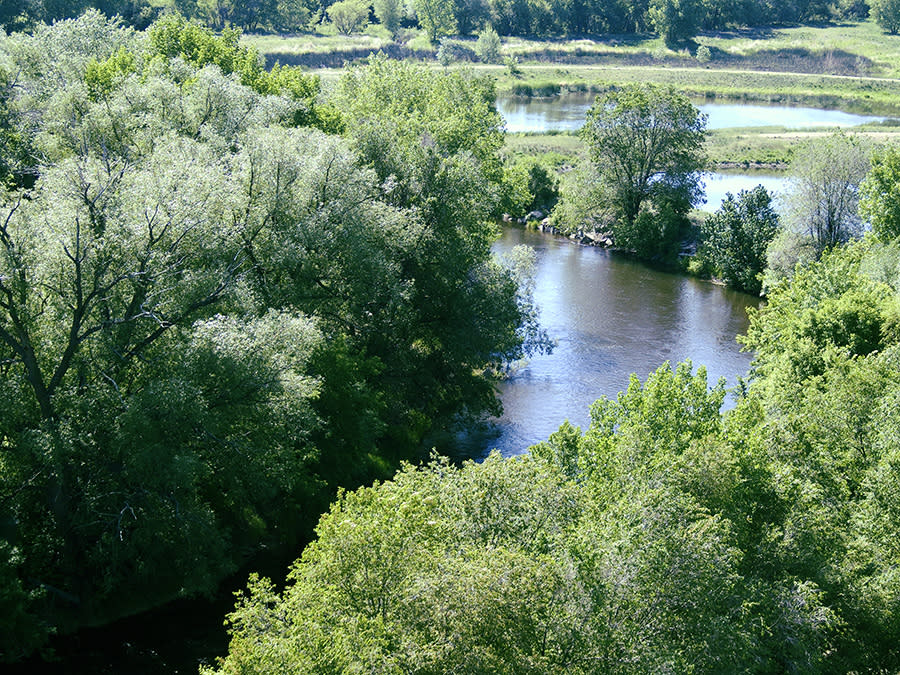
x=667, y=537
x=226, y=294
x=645, y=149
x=674, y=20
x=214, y=310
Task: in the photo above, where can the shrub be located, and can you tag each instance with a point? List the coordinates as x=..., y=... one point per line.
x=487, y=47
x=703, y=54
x=444, y=54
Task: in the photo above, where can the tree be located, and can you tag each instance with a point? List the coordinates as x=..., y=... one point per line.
x=210, y=319
x=126, y=379
x=824, y=195
x=292, y=15
x=736, y=237
x=433, y=140
x=646, y=144
x=435, y=17
x=639, y=546
x=388, y=13
x=348, y=16
x=879, y=201
x=439, y=570
x=829, y=306
x=471, y=15
x=675, y=21
x=487, y=46
x=887, y=14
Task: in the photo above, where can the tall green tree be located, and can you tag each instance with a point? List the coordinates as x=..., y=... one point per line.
x=213, y=315
x=436, y=17
x=879, y=201
x=887, y=14
x=433, y=140
x=348, y=16
x=389, y=13
x=675, y=21
x=646, y=144
x=736, y=237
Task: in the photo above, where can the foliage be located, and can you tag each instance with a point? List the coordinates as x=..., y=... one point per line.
x=487, y=46
x=173, y=36
x=432, y=140
x=824, y=193
x=879, y=201
x=645, y=142
x=388, y=13
x=675, y=21
x=401, y=576
x=348, y=16
x=830, y=306
x=669, y=536
x=887, y=14
x=512, y=65
x=212, y=315
x=528, y=186
x=548, y=18
x=735, y=238
x=703, y=54
x=444, y=54
x=673, y=526
x=436, y=17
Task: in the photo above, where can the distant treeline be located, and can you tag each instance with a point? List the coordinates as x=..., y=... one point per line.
x=508, y=17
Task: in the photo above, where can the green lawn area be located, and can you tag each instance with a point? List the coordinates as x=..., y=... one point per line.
x=865, y=41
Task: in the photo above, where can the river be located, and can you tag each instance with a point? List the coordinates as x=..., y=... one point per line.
x=566, y=113
x=717, y=185
x=610, y=317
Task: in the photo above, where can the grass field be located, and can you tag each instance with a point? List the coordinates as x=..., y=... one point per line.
x=844, y=49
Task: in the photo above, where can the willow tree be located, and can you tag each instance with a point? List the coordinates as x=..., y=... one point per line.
x=824, y=194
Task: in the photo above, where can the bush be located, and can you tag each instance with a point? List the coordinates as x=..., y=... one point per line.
x=487, y=47
x=736, y=237
x=703, y=54
x=444, y=54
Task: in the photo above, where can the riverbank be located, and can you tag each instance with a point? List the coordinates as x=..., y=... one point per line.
x=864, y=95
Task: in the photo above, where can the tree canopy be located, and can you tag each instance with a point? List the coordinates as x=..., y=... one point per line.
x=824, y=196
x=734, y=240
x=215, y=310
x=645, y=142
x=668, y=536
x=879, y=201
x=673, y=20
